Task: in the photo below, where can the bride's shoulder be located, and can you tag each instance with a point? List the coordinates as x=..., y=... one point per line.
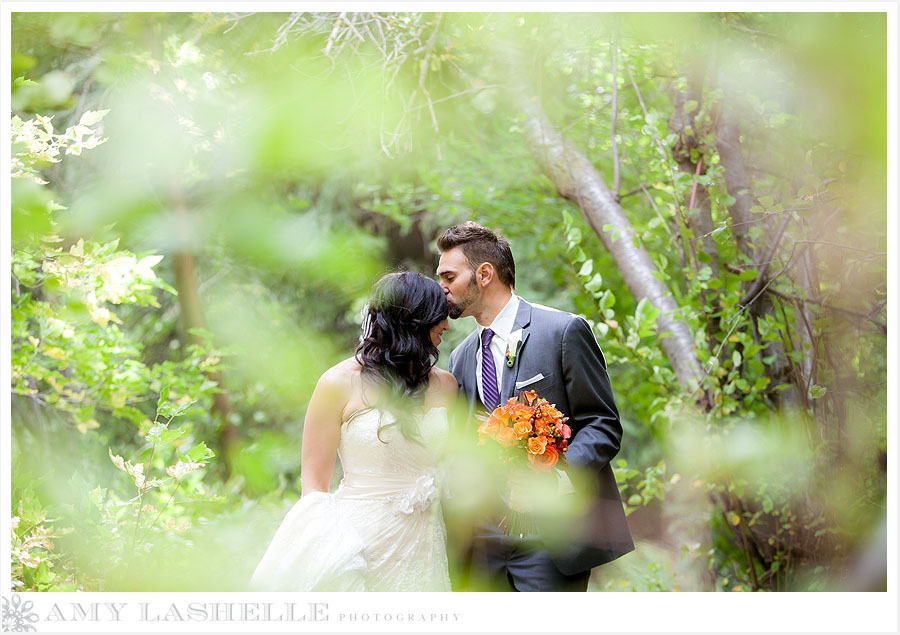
x=443, y=384
x=341, y=375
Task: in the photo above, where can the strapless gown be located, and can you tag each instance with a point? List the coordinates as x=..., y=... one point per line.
x=381, y=530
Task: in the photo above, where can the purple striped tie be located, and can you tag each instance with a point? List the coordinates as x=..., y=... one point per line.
x=490, y=393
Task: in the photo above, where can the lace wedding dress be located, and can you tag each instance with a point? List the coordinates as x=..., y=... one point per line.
x=382, y=530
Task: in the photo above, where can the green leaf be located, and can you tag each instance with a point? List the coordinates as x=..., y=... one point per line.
x=749, y=274
x=607, y=301
x=714, y=283
x=200, y=453
x=736, y=358
x=168, y=436
x=96, y=496
x=180, y=410
x=166, y=410
x=90, y=117
x=635, y=499
x=719, y=235
x=43, y=574
x=608, y=227
x=691, y=105
x=154, y=434
x=766, y=201
x=163, y=396
x=595, y=283
x=817, y=392
x=586, y=268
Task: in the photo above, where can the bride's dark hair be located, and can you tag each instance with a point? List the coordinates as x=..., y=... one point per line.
x=396, y=351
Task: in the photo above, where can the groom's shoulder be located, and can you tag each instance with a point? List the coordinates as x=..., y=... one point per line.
x=550, y=317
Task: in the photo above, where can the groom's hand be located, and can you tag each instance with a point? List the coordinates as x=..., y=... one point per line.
x=520, y=497
x=526, y=488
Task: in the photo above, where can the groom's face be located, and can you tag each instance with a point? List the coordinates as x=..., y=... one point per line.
x=458, y=282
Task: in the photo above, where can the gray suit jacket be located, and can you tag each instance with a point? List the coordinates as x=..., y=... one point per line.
x=561, y=347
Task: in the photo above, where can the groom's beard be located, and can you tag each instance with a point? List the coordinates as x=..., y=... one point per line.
x=471, y=294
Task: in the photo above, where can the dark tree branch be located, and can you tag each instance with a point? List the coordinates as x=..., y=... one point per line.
x=753, y=291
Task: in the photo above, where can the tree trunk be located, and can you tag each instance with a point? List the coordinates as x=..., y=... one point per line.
x=698, y=210
x=731, y=157
x=191, y=318
x=576, y=179
x=696, y=204
x=728, y=145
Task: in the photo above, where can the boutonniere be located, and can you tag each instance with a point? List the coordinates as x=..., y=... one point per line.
x=515, y=338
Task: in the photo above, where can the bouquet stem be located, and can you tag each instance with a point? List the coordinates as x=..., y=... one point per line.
x=516, y=523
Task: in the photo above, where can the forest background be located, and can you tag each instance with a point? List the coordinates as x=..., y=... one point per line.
x=202, y=201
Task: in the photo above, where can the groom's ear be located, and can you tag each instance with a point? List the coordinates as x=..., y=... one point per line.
x=484, y=274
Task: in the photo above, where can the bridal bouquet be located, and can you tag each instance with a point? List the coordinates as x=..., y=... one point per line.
x=531, y=430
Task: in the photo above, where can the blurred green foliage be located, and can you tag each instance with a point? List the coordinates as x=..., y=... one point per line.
x=295, y=158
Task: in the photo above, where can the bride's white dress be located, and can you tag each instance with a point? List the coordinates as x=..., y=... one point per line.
x=382, y=530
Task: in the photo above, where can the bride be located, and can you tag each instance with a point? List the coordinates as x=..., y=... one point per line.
x=384, y=412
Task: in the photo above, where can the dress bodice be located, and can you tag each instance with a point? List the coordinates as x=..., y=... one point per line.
x=378, y=461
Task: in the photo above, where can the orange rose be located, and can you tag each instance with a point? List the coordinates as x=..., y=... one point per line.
x=489, y=428
x=544, y=462
x=520, y=412
x=541, y=427
x=506, y=437
x=522, y=429
x=537, y=445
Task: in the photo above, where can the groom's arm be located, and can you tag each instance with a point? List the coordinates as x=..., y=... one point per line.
x=593, y=410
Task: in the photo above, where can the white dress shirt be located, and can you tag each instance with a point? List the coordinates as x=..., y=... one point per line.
x=502, y=326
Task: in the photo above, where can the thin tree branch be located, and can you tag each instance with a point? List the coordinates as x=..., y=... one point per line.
x=656, y=209
x=459, y=94
x=614, y=116
x=744, y=29
x=825, y=242
x=863, y=316
x=753, y=291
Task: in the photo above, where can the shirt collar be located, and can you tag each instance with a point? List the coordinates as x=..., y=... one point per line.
x=503, y=323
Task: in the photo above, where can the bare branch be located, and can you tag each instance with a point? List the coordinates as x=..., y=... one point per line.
x=616, y=185
x=754, y=290
x=825, y=242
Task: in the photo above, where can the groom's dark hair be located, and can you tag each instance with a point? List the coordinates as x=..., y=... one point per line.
x=480, y=244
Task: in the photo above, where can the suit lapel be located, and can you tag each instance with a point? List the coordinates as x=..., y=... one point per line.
x=510, y=375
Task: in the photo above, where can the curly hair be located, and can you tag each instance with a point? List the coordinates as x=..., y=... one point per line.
x=396, y=351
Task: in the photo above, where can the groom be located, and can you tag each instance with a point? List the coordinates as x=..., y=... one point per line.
x=558, y=358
